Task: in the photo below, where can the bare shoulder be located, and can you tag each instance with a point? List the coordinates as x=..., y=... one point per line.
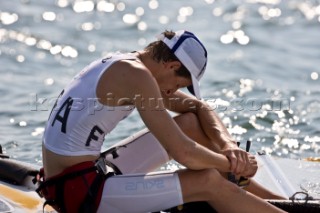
x=124, y=79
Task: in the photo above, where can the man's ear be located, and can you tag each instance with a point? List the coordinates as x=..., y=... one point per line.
x=175, y=65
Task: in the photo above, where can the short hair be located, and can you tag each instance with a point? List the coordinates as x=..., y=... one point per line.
x=161, y=52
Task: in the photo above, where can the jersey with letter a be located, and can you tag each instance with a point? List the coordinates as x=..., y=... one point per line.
x=78, y=122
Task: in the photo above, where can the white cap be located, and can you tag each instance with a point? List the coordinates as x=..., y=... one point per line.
x=191, y=53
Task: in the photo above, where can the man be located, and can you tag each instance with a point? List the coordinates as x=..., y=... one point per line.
x=105, y=92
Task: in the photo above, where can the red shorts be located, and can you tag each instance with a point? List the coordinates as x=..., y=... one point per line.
x=74, y=188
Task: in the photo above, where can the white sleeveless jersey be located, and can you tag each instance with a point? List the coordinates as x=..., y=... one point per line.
x=78, y=122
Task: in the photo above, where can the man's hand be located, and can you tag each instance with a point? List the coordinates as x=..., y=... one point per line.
x=242, y=163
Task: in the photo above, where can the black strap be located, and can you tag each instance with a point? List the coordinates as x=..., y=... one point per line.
x=113, y=152
x=58, y=202
x=114, y=167
x=60, y=196
x=47, y=202
x=88, y=204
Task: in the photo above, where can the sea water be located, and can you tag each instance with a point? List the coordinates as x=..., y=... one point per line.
x=262, y=76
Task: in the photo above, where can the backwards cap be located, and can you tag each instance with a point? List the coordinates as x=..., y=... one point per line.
x=191, y=53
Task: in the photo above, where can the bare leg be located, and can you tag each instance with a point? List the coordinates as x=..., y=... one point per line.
x=191, y=126
x=221, y=194
x=259, y=190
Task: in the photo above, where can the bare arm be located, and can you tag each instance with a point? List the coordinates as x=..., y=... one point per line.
x=214, y=129
x=140, y=87
x=210, y=122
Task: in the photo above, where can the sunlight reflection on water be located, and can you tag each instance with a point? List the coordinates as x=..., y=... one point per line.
x=263, y=70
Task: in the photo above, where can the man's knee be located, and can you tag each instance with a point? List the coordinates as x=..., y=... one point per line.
x=212, y=177
x=187, y=121
x=191, y=126
x=214, y=183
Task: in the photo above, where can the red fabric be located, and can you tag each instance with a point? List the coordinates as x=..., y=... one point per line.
x=75, y=189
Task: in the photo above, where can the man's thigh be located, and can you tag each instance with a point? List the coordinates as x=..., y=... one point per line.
x=139, y=153
x=141, y=193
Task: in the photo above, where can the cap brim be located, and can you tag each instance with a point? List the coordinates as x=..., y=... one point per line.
x=194, y=89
